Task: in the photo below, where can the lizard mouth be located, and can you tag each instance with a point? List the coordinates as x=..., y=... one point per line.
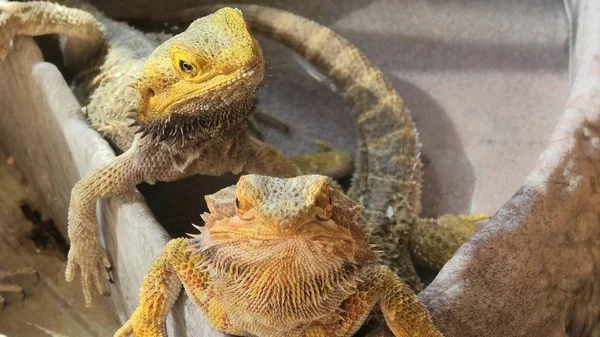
x=227, y=85
x=207, y=112
x=255, y=233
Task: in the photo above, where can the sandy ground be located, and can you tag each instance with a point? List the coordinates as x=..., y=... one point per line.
x=52, y=306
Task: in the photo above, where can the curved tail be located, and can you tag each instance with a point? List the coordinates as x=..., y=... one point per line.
x=388, y=170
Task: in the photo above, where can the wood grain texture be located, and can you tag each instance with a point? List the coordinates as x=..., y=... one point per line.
x=45, y=132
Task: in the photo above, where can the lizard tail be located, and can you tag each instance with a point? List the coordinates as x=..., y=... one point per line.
x=388, y=170
x=389, y=147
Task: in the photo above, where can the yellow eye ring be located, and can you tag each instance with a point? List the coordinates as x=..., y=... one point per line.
x=187, y=65
x=241, y=211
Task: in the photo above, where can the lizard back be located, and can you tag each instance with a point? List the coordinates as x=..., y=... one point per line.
x=104, y=90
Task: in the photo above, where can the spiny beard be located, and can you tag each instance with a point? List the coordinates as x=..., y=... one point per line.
x=199, y=125
x=300, y=288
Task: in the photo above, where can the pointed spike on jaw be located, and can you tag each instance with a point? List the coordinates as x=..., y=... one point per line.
x=199, y=228
x=205, y=217
x=130, y=115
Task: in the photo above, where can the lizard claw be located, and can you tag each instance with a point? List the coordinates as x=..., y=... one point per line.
x=93, y=263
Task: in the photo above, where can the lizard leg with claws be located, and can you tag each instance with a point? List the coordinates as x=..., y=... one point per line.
x=279, y=257
x=328, y=161
x=404, y=314
x=146, y=162
x=177, y=267
x=190, y=129
x=174, y=268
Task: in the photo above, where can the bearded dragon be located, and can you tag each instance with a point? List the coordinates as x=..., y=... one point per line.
x=279, y=257
x=190, y=99
x=388, y=169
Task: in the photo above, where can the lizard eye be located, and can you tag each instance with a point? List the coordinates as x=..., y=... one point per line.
x=241, y=212
x=185, y=66
x=189, y=65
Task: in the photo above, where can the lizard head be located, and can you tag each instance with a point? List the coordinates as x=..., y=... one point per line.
x=266, y=208
x=288, y=228
x=202, y=80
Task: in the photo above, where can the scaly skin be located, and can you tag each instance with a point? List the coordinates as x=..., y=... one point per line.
x=388, y=169
x=190, y=100
x=279, y=257
x=13, y=288
x=191, y=126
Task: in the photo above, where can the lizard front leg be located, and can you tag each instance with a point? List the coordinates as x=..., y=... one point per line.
x=328, y=161
x=118, y=176
x=41, y=18
x=176, y=266
x=405, y=315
